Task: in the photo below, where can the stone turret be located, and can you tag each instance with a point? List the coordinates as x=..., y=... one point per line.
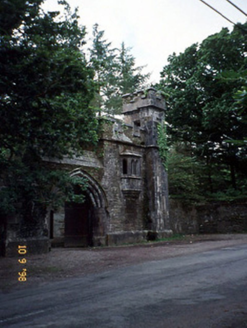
x=142, y=99
x=143, y=111
x=141, y=105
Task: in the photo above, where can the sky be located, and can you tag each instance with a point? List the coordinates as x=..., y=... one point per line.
x=155, y=29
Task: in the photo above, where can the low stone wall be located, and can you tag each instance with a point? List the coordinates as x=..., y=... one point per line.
x=133, y=237
x=125, y=237
x=217, y=217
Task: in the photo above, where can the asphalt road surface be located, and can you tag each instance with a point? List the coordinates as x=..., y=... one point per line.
x=203, y=290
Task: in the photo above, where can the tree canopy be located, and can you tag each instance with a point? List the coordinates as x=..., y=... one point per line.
x=46, y=86
x=202, y=111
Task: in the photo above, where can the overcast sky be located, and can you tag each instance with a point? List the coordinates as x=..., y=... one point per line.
x=154, y=29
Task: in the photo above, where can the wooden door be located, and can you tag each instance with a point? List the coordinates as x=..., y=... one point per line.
x=78, y=224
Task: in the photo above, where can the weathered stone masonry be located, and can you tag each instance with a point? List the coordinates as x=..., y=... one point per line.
x=129, y=176
x=127, y=196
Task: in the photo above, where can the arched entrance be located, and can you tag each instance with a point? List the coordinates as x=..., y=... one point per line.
x=85, y=222
x=79, y=224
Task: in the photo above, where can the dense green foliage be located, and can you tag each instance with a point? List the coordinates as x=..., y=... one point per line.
x=240, y=98
x=184, y=171
x=203, y=115
x=46, y=87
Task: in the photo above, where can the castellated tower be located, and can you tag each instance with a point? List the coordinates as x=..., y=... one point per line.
x=144, y=111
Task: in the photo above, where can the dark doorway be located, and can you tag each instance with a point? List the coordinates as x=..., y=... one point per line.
x=79, y=224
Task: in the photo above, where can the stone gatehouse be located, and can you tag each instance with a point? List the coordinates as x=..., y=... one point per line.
x=127, y=195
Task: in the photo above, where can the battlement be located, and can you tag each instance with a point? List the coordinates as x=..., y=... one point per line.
x=143, y=99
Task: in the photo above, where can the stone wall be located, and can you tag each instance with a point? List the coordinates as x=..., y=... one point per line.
x=183, y=217
x=208, y=218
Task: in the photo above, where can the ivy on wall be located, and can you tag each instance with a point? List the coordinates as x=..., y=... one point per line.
x=162, y=143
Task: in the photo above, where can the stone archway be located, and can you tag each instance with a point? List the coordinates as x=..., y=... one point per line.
x=86, y=223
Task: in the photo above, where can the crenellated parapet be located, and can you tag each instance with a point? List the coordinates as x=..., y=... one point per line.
x=143, y=99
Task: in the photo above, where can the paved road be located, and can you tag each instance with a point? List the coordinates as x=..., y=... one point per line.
x=204, y=290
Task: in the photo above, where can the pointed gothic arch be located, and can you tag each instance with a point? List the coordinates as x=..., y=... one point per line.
x=86, y=223
x=94, y=190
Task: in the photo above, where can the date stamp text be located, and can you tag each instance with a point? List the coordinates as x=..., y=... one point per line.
x=22, y=275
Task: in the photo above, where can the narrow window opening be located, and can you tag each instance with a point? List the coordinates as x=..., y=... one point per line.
x=137, y=123
x=133, y=167
x=138, y=168
x=125, y=166
x=136, y=130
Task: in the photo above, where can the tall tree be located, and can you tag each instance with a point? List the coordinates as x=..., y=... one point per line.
x=202, y=110
x=103, y=62
x=129, y=78
x=116, y=73
x=240, y=98
x=45, y=90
